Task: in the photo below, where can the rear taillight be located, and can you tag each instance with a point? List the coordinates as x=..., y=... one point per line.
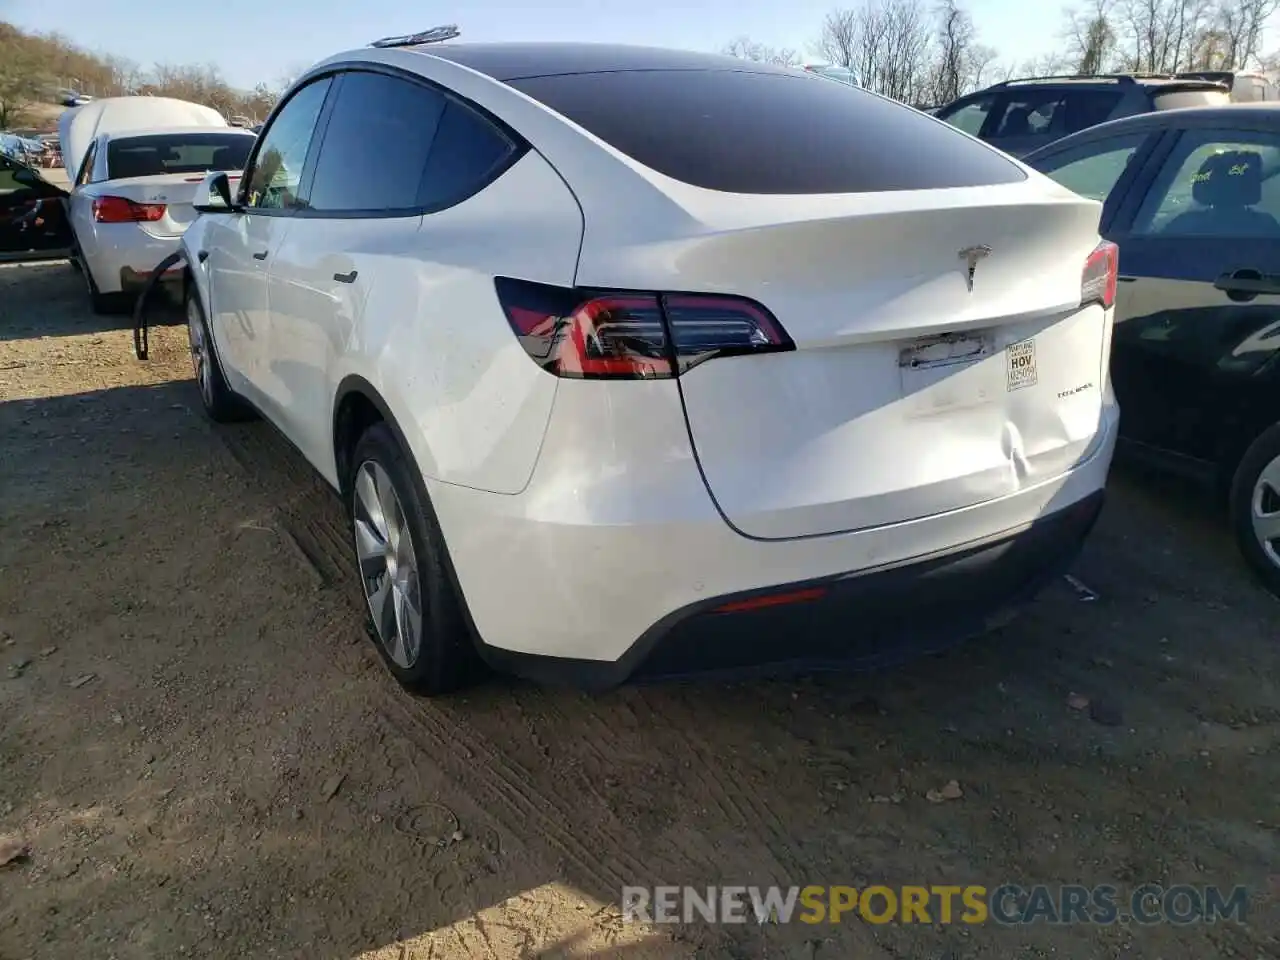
x=124, y=210
x=1101, y=270
x=612, y=334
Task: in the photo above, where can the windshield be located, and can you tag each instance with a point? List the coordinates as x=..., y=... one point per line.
x=158, y=154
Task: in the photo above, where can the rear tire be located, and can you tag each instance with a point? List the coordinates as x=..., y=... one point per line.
x=1255, y=508
x=220, y=403
x=414, y=613
x=104, y=304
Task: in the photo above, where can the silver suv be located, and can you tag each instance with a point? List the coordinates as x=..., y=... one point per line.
x=1019, y=116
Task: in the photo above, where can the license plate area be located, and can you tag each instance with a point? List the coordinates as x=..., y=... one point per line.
x=1020, y=365
x=947, y=371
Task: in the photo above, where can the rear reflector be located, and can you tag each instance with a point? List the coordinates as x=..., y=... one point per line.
x=772, y=600
x=609, y=334
x=124, y=210
x=1101, y=274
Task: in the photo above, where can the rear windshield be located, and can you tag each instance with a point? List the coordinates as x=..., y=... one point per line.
x=177, y=153
x=768, y=133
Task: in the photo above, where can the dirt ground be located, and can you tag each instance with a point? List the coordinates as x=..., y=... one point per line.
x=206, y=758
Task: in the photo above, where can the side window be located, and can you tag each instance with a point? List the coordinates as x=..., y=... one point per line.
x=1216, y=184
x=277, y=167
x=1093, y=169
x=9, y=184
x=970, y=116
x=1033, y=113
x=1088, y=108
x=467, y=151
x=394, y=145
x=376, y=145
x=86, y=167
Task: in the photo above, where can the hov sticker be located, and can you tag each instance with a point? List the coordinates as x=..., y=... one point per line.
x=1020, y=362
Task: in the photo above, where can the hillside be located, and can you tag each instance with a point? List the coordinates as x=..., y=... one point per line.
x=36, y=68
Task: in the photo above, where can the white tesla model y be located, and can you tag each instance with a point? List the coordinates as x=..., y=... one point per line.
x=632, y=361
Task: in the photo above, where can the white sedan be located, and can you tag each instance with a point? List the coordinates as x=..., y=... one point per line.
x=131, y=202
x=635, y=361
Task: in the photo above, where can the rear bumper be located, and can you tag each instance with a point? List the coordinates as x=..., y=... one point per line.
x=121, y=256
x=134, y=280
x=608, y=550
x=860, y=620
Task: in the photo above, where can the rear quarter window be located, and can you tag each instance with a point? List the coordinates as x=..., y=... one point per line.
x=769, y=133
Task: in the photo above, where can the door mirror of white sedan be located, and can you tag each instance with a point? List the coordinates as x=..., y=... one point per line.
x=214, y=194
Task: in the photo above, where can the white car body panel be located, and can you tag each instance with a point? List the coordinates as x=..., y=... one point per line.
x=80, y=126
x=108, y=249
x=608, y=538
x=237, y=311
x=578, y=513
x=488, y=404
x=804, y=442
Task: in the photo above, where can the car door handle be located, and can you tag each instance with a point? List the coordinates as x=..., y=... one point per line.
x=345, y=277
x=1243, y=285
x=260, y=256
x=202, y=256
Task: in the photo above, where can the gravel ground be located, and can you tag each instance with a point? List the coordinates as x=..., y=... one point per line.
x=204, y=758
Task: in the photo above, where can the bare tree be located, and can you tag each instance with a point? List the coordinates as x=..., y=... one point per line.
x=126, y=75
x=1160, y=36
x=955, y=36
x=886, y=44
x=960, y=62
x=744, y=48
x=841, y=44
x=1091, y=37
x=1239, y=24
x=1168, y=36
x=1045, y=65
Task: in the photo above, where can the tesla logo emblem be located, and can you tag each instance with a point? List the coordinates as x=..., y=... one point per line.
x=971, y=256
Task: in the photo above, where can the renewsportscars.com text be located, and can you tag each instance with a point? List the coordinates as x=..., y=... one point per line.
x=1008, y=904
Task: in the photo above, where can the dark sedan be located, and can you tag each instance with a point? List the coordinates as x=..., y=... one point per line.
x=33, y=221
x=1193, y=199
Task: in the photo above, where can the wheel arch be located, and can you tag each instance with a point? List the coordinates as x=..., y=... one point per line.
x=1255, y=414
x=357, y=405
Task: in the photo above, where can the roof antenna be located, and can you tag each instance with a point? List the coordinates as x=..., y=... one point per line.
x=434, y=35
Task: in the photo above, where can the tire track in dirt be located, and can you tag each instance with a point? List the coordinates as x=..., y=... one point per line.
x=604, y=741
x=741, y=807
x=511, y=796
x=307, y=510
x=310, y=513
x=599, y=752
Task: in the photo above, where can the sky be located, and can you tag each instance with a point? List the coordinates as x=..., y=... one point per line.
x=269, y=40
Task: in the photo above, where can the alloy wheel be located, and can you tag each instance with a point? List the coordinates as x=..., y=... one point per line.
x=1264, y=510
x=200, y=359
x=388, y=564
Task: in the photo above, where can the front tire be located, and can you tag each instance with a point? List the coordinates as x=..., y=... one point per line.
x=414, y=613
x=1255, y=508
x=221, y=405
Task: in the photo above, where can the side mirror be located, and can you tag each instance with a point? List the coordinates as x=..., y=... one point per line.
x=213, y=195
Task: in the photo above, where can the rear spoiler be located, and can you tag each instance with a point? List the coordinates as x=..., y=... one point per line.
x=1225, y=77
x=1187, y=85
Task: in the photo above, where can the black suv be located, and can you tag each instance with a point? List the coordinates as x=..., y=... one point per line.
x=1019, y=116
